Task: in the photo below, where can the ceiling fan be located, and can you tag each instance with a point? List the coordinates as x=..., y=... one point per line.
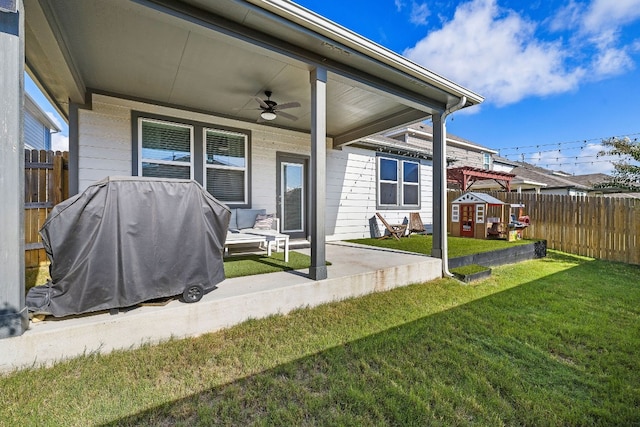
x=271, y=109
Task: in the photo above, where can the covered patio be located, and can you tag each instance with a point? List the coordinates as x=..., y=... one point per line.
x=213, y=58
x=355, y=270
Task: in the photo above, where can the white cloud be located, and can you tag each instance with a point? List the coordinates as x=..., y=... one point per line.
x=59, y=142
x=399, y=5
x=568, y=17
x=611, y=61
x=499, y=53
x=495, y=53
x=603, y=14
x=419, y=13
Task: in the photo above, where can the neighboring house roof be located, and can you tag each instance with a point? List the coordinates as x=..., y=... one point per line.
x=395, y=146
x=34, y=109
x=164, y=51
x=589, y=180
x=547, y=177
x=504, y=161
x=425, y=132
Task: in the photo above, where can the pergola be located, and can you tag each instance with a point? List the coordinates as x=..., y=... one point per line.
x=465, y=176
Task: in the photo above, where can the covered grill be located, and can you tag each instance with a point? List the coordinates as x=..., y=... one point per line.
x=125, y=240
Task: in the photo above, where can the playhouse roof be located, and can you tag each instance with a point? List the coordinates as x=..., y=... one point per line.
x=473, y=197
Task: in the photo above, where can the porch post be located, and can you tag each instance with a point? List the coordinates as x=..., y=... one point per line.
x=439, y=185
x=14, y=319
x=318, y=268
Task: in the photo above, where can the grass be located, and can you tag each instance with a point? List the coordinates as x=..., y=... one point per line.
x=248, y=265
x=457, y=246
x=234, y=266
x=548, y=342
x=469, y=269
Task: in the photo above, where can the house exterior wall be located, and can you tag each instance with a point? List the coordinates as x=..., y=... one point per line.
x=36, y=135
x=105, y=148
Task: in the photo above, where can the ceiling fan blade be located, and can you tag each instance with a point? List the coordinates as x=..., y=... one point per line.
x=293, y=104
x=262, y=103
x=287, y=115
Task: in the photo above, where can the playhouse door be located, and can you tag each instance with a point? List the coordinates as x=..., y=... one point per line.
x=467, y=213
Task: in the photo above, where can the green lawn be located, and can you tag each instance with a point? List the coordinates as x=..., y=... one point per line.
x=552, y=341
x=457, y=246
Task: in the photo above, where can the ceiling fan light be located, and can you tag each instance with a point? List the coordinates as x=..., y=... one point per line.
x=268, y=115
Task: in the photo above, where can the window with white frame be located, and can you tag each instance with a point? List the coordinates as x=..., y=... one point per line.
x=218, y=158
x=166, y=149
x=486, y=161
x=226, y=165
x=398, y=183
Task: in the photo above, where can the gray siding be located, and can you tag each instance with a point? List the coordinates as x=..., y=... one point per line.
x=36, y=134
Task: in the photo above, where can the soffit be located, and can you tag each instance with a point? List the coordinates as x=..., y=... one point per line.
x=138, y=50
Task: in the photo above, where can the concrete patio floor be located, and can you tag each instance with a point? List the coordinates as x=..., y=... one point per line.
x=356, y=270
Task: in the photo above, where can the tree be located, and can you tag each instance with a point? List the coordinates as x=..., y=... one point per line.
x=626, y=171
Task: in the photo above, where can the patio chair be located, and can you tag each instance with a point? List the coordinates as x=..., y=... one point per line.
x=395, y=230
x=415, y=223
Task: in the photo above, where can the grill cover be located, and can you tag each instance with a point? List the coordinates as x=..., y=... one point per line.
x=125, y=240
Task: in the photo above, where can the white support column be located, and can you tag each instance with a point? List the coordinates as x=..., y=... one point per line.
x=14, y=318
x=439, y=185
x=318, y=268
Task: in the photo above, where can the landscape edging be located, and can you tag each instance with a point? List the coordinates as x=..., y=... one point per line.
x=511, y=255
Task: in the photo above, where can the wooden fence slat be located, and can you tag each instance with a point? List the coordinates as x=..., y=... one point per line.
x=46, y=184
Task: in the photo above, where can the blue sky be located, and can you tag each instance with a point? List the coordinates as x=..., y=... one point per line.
x=557, y=76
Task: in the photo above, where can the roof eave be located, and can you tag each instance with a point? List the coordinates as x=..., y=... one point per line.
x=341, y=35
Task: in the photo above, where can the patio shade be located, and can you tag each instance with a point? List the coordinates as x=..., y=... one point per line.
x=126, y=240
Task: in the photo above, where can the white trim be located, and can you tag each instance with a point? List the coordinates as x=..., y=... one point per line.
x=302, y=198
x=245, y=168
x=358, y=44
x=455, y=213
x=479, y=214
x=399, y=183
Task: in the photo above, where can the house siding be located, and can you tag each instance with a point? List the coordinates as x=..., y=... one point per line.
x=36, y=135
x=105, y=148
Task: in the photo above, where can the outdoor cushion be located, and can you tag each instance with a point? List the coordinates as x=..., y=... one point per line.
x=233, y=222
x=246, y=218
x=264, y=222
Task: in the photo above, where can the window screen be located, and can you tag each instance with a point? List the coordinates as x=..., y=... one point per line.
x=226, y=165
x=166, y=149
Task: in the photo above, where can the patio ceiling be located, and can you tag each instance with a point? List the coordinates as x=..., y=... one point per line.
x=216, y=56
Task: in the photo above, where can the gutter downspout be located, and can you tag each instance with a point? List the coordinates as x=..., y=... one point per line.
x=445, y=205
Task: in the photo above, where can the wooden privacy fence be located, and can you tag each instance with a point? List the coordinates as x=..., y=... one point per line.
x=46, y=183
x=598, y=227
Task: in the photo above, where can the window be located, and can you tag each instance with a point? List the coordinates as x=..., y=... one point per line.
x=226, y=165
x=398, y=183
x=166, y=149
x=486, y=161
x=218, y=158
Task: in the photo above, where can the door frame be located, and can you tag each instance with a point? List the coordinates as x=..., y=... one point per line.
x=469, y=233
x=284, y=157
